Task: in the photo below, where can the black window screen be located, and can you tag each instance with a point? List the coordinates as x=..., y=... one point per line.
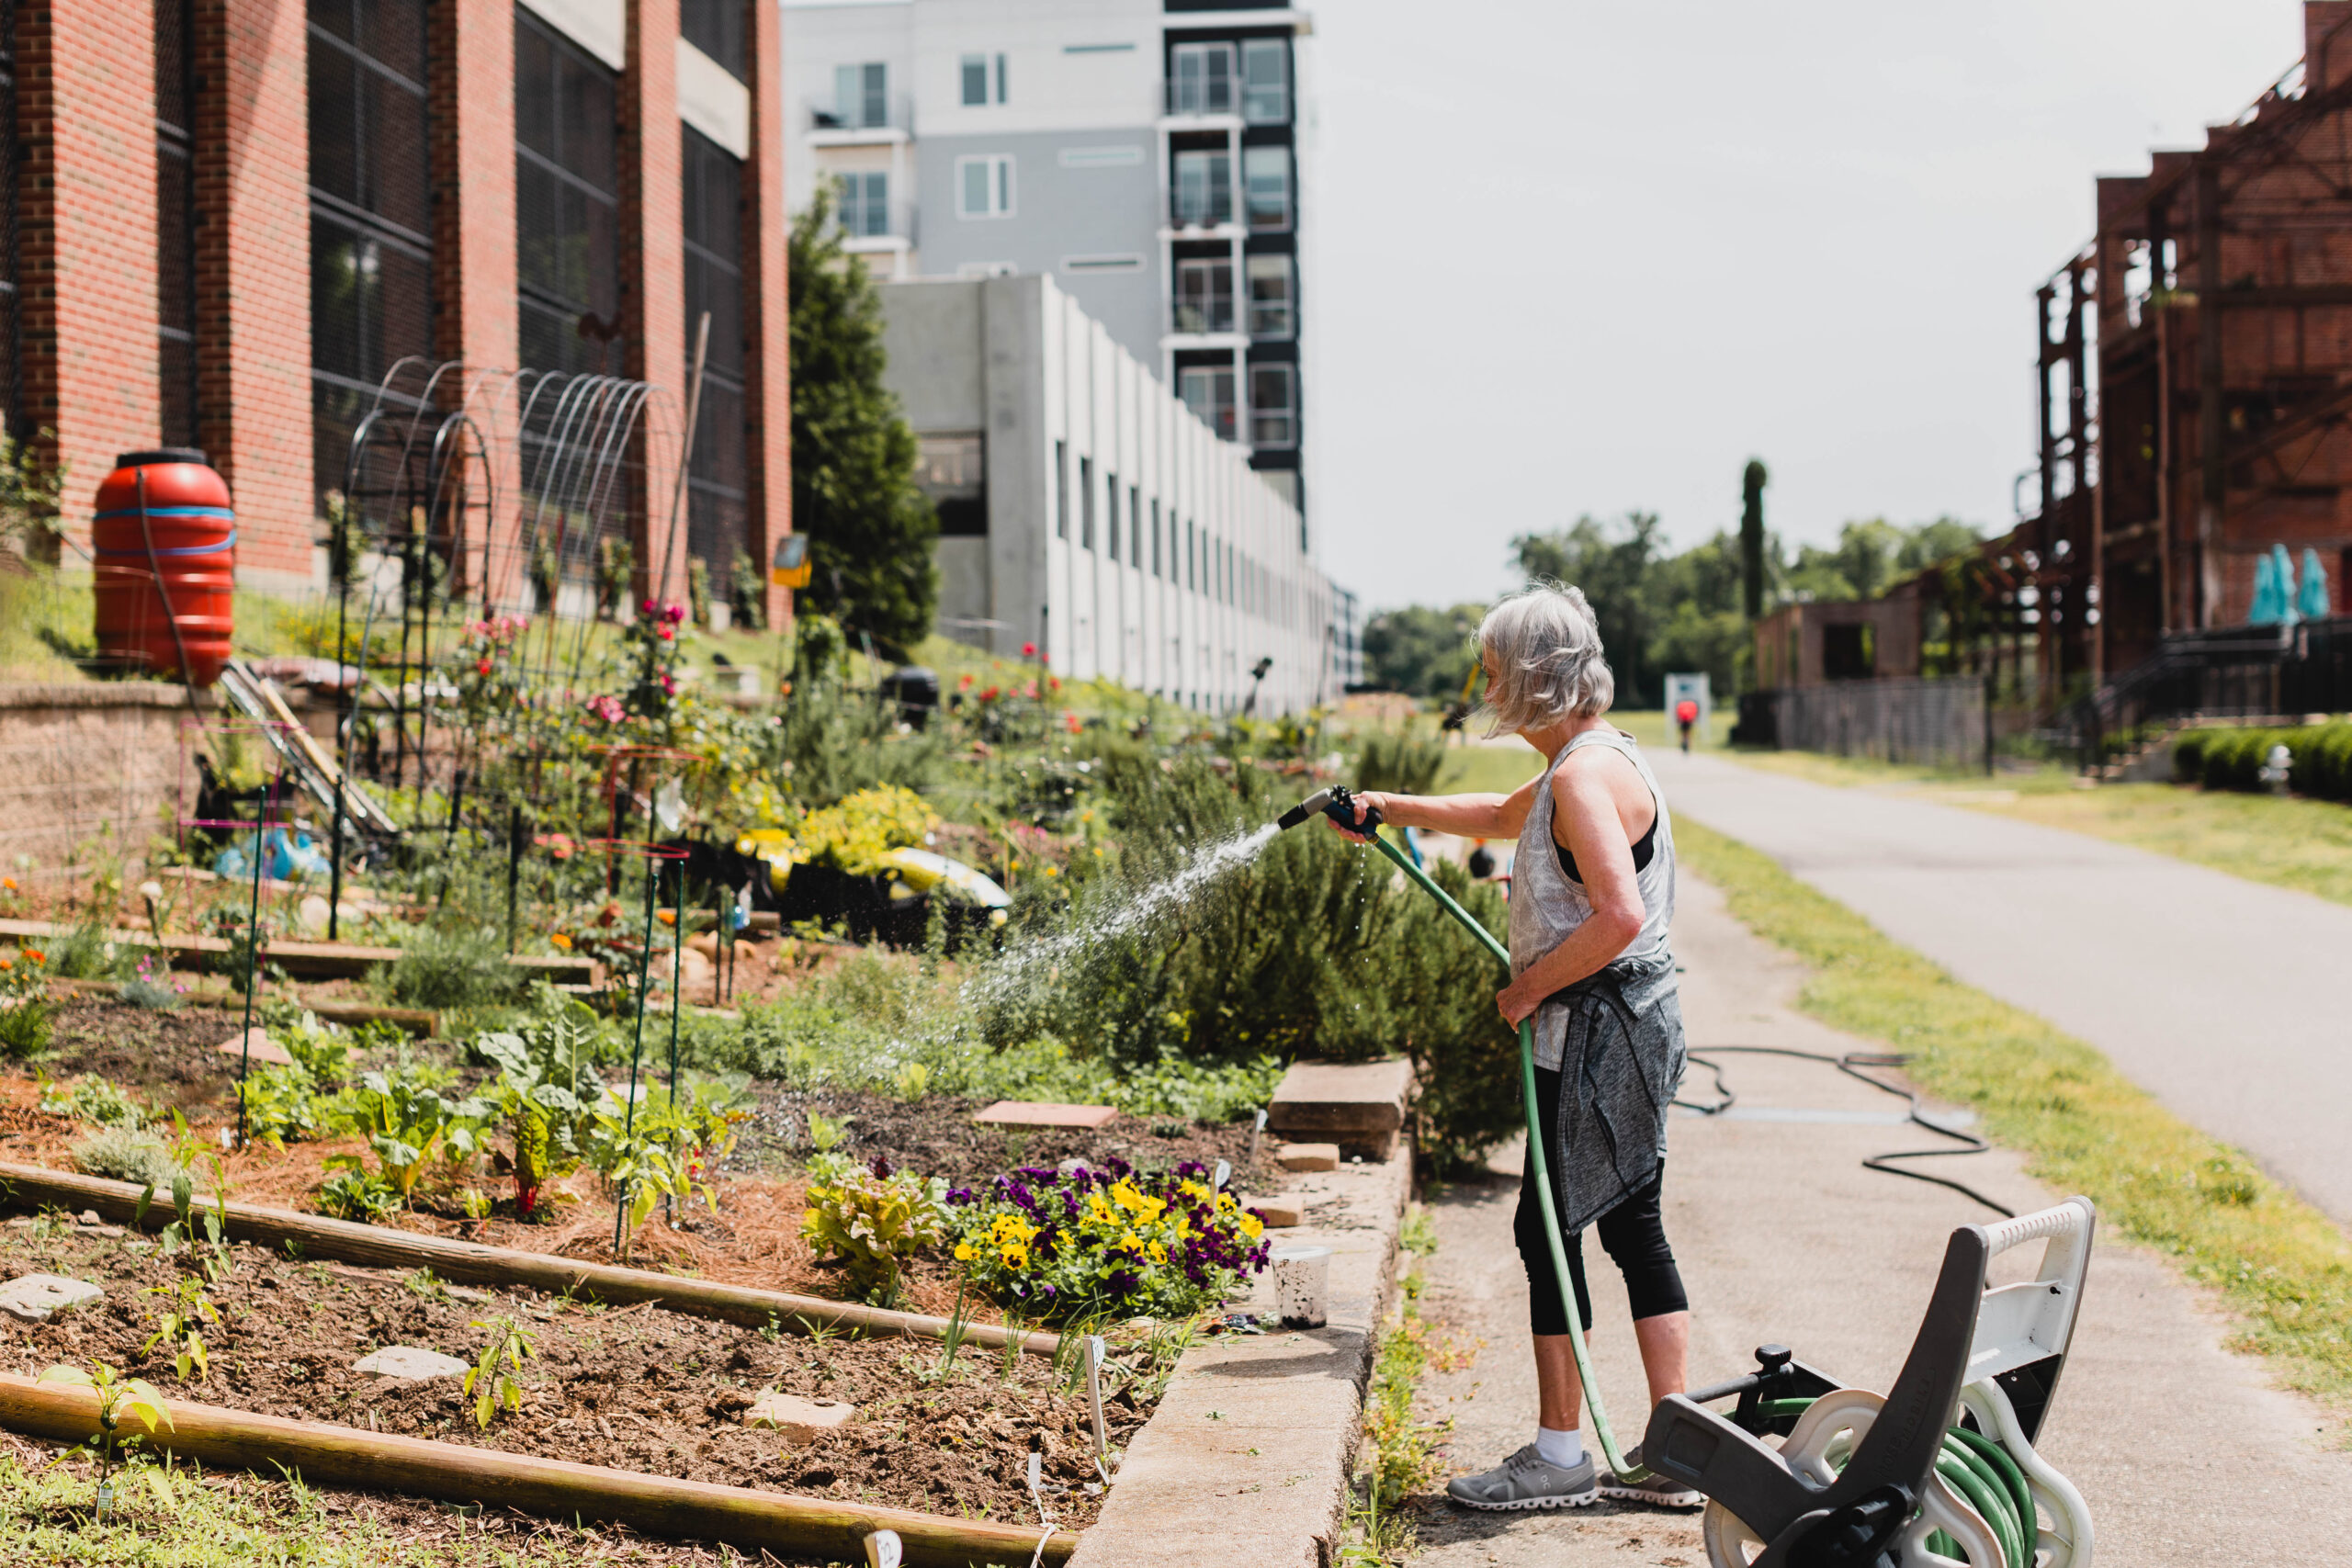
x=718, y=477
x=12, y=389
x=716, y=27
x=175, y=223
x=567, y=204
x=372, y=246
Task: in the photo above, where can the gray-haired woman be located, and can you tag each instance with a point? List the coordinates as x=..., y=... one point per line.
x=1593, y=893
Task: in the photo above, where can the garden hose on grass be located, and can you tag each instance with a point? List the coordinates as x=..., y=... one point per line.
x=1340, y=804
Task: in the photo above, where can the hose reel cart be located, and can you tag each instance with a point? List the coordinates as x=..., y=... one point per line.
x=1939, y=1471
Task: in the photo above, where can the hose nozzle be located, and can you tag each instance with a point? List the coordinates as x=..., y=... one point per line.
x=1303, y=810
x=1338, y=803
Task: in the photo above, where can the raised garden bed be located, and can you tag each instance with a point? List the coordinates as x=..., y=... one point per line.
x=638, y=1388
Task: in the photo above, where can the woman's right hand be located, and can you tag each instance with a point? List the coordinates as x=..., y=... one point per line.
x=1363, y=800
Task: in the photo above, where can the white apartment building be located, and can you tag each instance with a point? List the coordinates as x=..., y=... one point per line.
x=1146, y=155
x=1086, y=510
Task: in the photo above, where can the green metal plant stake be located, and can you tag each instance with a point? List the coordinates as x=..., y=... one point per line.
x=636, y=1051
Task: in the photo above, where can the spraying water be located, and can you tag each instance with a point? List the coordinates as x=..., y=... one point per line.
x=1020, y=966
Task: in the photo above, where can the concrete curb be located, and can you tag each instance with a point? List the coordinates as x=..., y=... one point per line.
x=1247, y=1458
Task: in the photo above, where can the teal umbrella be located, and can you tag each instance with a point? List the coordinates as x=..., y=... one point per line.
x=2269, y=606
x=2311, y=601
x=2282, y=566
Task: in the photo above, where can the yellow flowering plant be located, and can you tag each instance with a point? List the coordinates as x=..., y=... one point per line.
x=1068, y=1246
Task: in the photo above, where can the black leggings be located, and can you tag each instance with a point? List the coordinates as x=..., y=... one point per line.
x=1631, y=1233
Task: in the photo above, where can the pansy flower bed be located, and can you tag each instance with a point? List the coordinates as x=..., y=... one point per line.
x=1071, y=1246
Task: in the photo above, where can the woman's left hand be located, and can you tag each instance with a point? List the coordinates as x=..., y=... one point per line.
x=1518, y=1002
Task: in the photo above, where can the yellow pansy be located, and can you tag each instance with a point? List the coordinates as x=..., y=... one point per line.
x=1159, y=1254
x=1252, y=1226
x=964, y=1253
x=1195, y=1190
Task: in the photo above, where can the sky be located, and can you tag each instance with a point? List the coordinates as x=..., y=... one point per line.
x=1575, y=257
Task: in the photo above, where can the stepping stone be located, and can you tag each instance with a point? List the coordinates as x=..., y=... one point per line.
x=1279, y=1213
x=409, y=1361
x=1038, y=1114
x=801, y=1421
x=1360, y=1105
x=34, y=1296
x=1308, y=1157
x=264, y=1048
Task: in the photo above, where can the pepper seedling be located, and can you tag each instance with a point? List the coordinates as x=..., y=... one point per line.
x=118, y=1398
x=493, y=1379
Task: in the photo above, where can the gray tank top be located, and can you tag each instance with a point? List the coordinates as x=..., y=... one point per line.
x=1546, y=906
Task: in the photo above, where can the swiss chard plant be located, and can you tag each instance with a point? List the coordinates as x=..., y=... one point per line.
x=874, y=1219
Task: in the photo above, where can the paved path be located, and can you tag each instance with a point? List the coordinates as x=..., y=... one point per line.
x=2185, y=1454
x=2229, y=1000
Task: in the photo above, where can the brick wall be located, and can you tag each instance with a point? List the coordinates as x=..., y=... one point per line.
x=653, y=281
x=473, y=240
x=252, y=278
x=766, y=305
x=86, y=120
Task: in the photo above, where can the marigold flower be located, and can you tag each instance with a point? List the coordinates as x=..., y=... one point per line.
x=35, y=955
x=560, y=941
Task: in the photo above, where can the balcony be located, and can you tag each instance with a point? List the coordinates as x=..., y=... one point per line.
x=1204, y=314
x=863, y=124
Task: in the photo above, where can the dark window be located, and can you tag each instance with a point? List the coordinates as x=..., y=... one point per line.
x=716, y=27
x=1134, y=525
x=1848, y=652
x=567, y=204
x=371, y=247
x=175, y=223
x=1086, y=502
x=1111, y=484
x=953, y=470
x=1061, y=490
x=718, y=477
x=1156, y=558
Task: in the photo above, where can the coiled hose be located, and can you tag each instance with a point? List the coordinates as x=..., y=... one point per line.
x=1981, y=1471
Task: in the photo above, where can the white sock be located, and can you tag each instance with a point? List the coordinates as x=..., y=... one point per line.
x=1562, y=1451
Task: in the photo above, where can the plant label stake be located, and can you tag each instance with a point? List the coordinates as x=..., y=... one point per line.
x=1256, y=1129
x=637, y=1051
x=1224, y=1175
x=1094, y=1394
x=882, y=1549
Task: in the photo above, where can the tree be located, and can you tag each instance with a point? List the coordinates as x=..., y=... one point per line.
x=870, y=530
x=1751, y=537
x=1421, y=650
x=1614, y=573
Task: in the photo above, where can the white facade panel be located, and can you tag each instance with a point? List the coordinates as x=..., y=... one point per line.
x=712, y=101
x=600, y=27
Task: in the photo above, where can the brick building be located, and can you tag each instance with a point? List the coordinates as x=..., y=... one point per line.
x=2196, y=366
x=230, y=222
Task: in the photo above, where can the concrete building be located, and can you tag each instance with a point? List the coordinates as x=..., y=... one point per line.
x=1087, y=511
x=232, y=220
x=1146, y=154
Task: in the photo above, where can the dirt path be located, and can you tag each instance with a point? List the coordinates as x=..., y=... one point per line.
x=2172, y=969
x=2187, y=1454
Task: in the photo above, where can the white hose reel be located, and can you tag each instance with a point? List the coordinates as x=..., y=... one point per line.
x=1845, y=1487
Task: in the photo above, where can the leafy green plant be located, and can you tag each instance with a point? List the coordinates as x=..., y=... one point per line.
x=119, y=1398
x=494, y=1380
x=825, y=1134
x=357, y=1195
x=1066, y=1246
x=99, y=1101
x=402, y=1120
x=281, y=1105
x=180, y=1324
x=547, y=1079
x=873, y=1219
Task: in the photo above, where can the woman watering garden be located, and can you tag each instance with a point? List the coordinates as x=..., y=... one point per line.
x=1592, y=894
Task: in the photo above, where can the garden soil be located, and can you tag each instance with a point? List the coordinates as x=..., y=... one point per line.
x=636, y=1388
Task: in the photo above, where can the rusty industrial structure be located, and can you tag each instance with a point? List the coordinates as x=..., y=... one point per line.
x=2195, y=372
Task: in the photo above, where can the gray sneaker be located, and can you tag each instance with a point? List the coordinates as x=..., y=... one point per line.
x=1658, y=1491
x=1524, y=1481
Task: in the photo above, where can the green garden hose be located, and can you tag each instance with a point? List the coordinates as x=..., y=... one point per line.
x=1538, y=1167
x=1981, y=1471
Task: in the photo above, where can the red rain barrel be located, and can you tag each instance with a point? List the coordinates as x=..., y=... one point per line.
x=166, y=574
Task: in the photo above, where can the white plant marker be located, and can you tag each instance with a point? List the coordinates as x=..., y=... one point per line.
x=1094, y=1354
x=1224, y=1175
x=1254, y=1133
x=882, y=1549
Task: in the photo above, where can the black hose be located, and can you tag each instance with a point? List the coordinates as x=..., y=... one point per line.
x=1851, y=1064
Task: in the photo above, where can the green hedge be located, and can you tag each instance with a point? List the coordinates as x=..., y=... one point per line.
x=2232, y=759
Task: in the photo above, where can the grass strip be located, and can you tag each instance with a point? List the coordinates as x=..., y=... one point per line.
x=2281, y=1265
x=1404, y=1457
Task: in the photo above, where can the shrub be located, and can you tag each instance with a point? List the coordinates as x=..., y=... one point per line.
x=1403, y=762
x=1085, y=1244
x=127, y=1154
x=463, y=966
x=871, y=1218
x=99, y=1101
